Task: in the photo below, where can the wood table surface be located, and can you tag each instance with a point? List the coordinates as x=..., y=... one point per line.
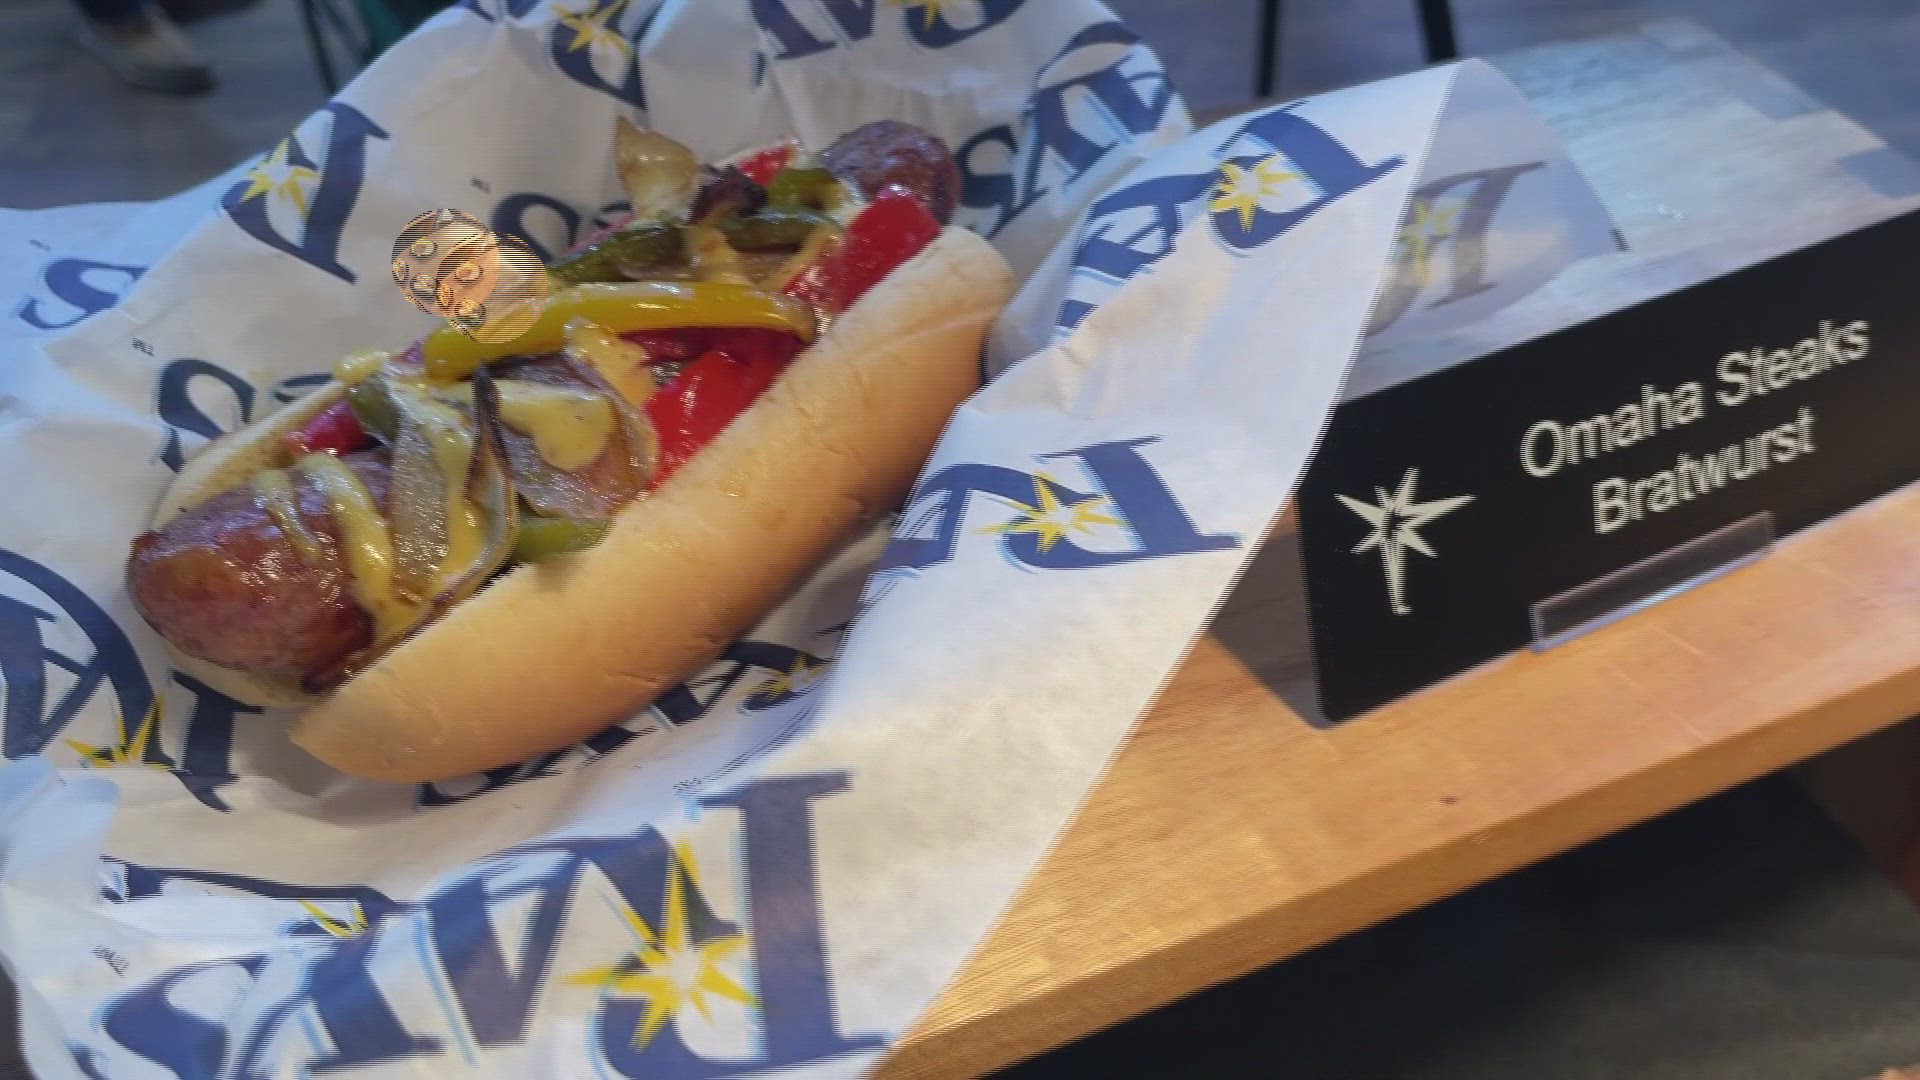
x=1231, y=832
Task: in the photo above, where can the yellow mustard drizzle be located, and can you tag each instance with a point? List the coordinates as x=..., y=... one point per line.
x=465, y=535
x=621, y=362
x=712, y=257
x=569, y=428
x=842, y=203
x=357, y=366
x=273, y=492
x=366, y=542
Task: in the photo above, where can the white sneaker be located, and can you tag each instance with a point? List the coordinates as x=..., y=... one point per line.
x=148, y=51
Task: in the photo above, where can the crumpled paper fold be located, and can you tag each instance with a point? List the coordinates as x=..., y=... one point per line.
x=780, y=864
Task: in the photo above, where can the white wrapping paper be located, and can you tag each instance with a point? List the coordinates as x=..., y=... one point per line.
x=779, y=865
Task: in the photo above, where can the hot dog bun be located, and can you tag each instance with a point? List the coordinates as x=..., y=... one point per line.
x=549, y=654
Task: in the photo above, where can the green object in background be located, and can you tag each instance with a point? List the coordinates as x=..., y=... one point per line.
x=347, y=34
x=388, y=21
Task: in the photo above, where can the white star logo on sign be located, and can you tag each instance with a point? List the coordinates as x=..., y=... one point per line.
x=1396, y=521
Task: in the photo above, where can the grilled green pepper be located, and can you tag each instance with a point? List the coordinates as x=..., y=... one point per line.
x=802, y=189
x=771, y=229
x=548, y=537
x=636, y=247
x=372, y=403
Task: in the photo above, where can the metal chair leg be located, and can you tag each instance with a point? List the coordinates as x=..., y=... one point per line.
x=1269, y=53
x=1436, y=28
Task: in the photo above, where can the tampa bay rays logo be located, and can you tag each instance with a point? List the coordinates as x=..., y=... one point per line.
x=805, y=27
x=1060, y=138
x=1275, y=171
x=1449, y=218
x=1117, y=510
x=592, y=42
x=189, y=387
x=59, y=651
x=589, y=45
x=178, y=408
x=553, y=763
x=628, y=930
x=788, y=672
x=682, y=966
x=784, y=673
x=298, y=197
x=1291, y=169
x=802, y=675
x=310, y=910
x=1243, y=197
x=78, y=288
x=36, y=709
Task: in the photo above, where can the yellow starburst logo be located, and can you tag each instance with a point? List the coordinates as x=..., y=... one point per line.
x=127, y=748
x=1420, y=235
x=803, y=676
x=1243, y=189
x=1051, y=520
x=590, y=27
x=930, y=9
x=668, y=968
x=350, y=926
x=277, y=176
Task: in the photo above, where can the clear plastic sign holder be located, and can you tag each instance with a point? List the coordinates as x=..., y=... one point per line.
x=1605, y=600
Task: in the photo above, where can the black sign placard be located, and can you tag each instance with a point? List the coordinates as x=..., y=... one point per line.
x=1439, y=511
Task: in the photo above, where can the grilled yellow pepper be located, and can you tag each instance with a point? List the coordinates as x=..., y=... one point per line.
x=622, y=306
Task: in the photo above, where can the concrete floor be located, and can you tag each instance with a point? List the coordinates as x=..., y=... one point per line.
x=77, y=136
x=74, y=134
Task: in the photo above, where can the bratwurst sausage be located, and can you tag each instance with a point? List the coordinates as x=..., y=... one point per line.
x=226, y=584
x=888, y=152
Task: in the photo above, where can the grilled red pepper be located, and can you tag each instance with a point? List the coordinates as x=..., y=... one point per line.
x=891, y=229
x=671, y=346
x=762, y=165
x=736, y=367
x=332, y=430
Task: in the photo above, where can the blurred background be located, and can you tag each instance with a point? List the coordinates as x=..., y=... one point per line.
x=78, y=133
